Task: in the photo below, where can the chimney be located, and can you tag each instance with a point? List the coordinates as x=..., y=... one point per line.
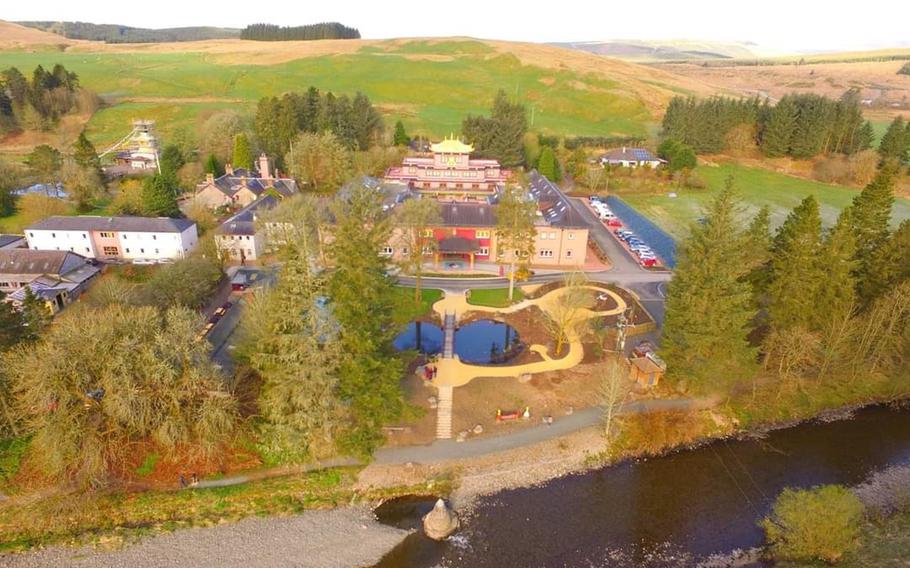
x=264, y=167
x=229, y=169
x=210, y=178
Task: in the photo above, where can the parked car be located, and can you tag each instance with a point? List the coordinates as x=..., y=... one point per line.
x=143, y=261
x=648, y=262
x=614, y=222
x=165, y=261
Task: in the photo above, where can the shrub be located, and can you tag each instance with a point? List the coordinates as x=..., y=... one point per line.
x=904, y=70
x=821, y=523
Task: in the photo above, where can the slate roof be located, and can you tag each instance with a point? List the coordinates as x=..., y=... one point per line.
x=6, y=240
x=229, y=184
x=243, y=222
x=466, y=214
x=27, y=261
x=127, y=224
x=552, y=203
x=458, y=244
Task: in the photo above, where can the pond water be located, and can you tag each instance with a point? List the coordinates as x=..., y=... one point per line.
x=667, y=511
x=481, y=341
x=419, y=336
x=486, y=341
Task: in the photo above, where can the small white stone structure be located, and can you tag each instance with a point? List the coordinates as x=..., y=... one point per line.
x=441, y=522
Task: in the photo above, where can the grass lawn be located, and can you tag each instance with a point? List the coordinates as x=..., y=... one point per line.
x=757, y=187
x=181, y=88
x=17, y=222
x=495, y=297
x=405, y=307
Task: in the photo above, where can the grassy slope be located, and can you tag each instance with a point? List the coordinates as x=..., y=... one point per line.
x=758, y=187
x=430, y=85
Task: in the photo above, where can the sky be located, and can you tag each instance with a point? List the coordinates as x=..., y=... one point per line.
x=776, y=25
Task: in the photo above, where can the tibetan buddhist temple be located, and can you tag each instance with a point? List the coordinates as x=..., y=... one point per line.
x=451, y=173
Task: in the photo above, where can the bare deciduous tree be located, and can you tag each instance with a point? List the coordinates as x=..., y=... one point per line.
x=615, y=387
x=568, y=314
x=414, y=220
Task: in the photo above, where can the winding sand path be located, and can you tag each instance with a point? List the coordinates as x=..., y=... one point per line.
x=454, y=373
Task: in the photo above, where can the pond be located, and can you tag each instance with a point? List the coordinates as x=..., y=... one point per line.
x=486, y=341
x=420, y=336
x=481, y=341
x=662, y=512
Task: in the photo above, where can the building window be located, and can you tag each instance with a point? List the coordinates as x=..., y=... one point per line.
x=484, y=251
x=31, y=235
x=427, y=250
x=84, y=236
x=87, y=249
x=405, y=250
x=570, y=236
x=546, y=253
x=124, y=235
x=482, y=234
x=386, y=251
x=127, y=250
x=107, y=235
x=53, y=235
x=154, y=237
x=156, y=251
x=568, y=254
x=142, y=251
x=111, y=251
x=428, y=232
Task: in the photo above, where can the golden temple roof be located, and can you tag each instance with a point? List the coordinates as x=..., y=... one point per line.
x=451, y=146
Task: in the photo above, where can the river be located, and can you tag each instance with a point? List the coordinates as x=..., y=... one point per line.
x=667, y=511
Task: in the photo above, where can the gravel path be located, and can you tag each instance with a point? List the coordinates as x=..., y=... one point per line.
x=339, y=538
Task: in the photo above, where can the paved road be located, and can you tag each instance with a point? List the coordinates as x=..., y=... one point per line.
x=442, y=450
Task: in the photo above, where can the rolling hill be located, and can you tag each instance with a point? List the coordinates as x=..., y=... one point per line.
x=652, y=51
x=115, y=33
x=431, y=84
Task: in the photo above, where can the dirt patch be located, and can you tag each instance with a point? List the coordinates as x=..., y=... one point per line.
x=554, y=393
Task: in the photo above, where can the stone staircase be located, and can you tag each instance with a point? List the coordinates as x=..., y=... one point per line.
x=444, y=413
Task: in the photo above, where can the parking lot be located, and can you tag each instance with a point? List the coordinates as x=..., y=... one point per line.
x=640, y=250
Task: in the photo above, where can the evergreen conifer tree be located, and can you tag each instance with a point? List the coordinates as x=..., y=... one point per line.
x=709, y=304
x=871, y=217
x=400, y=138
x=894, y=142
x=796, y=268
x=546, y=164
x=242, y=156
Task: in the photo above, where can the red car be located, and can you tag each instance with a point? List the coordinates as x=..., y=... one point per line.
x=614, y=222
x=648, y=262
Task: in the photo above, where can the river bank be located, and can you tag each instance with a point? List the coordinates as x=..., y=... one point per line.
x=679, y=509
x=313, y=539
x=584, y=450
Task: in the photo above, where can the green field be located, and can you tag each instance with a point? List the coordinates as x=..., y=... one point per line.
x=757, y=187
x=431, y=86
